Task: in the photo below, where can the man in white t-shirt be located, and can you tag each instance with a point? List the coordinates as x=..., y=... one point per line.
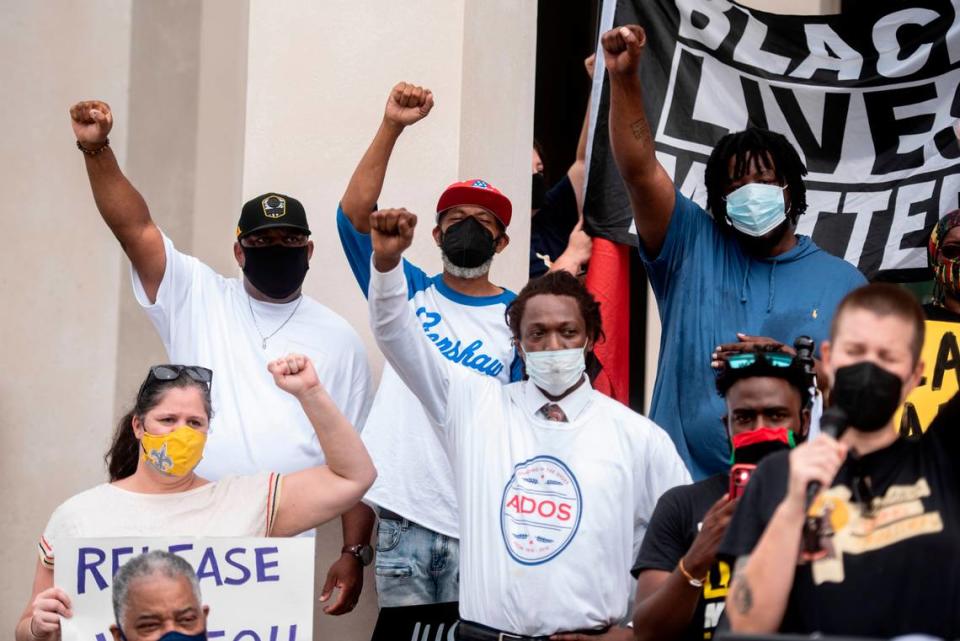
x=461, y=313
x=555, y=482
x=235, y=327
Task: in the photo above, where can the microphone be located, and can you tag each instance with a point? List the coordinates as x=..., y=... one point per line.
x=832, y=423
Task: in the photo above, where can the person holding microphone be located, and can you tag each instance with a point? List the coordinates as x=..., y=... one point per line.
x=883, y=557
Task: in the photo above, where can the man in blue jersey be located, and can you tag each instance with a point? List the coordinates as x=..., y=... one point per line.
x=725, y=283
x=462, y=313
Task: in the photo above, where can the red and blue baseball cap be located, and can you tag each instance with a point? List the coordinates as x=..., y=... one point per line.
x=478, y=193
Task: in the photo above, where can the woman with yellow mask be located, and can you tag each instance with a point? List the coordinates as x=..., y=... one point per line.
x=153, y=490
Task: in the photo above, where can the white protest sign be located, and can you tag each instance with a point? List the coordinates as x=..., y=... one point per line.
x=258, y=589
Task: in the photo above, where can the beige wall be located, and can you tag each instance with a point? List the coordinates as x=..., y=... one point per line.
x=59, y=271
x=215, y=102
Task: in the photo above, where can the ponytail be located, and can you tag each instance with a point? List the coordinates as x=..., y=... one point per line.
x=122, y=457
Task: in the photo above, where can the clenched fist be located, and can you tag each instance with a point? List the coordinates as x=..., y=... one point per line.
x=622, y=47
x=391, y=232
x=407, y=104
x=92, y=120
x=294, y=373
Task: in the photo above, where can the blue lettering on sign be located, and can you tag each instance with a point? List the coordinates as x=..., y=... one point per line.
x=234, y=568
x=468, y=356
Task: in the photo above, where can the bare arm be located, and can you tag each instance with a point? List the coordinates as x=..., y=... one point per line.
x=40, y=620
x=315, y=495
x=761, y=583
x=406, y=105
x=666, y=602
x=120, y=204
x=649, y=187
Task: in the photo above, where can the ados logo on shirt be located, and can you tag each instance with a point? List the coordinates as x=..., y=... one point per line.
x=540, y=510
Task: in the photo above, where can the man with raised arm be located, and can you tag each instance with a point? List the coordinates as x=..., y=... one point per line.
x=726, y=281
x=461, y=312
x=235, y=327
x=555, y=482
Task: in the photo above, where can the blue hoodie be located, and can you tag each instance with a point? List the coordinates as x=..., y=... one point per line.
x=707, y=290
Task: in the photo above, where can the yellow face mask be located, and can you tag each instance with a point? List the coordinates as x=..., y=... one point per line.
x=175, y=453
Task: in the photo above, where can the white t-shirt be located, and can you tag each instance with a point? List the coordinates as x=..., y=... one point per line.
x=233, y=506
x=414, y=477
x=205, y=319
x=551, y=514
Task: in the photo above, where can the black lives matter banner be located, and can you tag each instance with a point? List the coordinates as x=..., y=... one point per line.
x=869, y=98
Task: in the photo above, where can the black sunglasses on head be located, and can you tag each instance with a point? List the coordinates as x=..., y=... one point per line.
x=173, y=372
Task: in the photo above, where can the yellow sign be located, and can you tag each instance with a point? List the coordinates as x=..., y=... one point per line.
x=941, y=378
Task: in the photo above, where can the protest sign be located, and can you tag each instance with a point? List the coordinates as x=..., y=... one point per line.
x=257, y=589
x=941, y=378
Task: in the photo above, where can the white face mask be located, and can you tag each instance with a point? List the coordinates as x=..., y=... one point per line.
x=555, y=371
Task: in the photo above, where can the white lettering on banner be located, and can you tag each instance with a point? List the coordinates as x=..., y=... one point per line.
x=889, y=156
x=540, y=510
x=257, y=589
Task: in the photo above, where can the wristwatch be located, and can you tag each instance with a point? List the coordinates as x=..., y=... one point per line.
x=361, y=552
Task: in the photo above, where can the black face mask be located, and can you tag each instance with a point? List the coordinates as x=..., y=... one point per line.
x=538, y=190
x=277, y=271
x=868, y=394
x=468, y=243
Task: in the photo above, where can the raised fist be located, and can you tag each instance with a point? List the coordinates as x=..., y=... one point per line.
x=622, y=47
x=294, y=373
x=407, y=104
x=92, y=120
x=392, y=232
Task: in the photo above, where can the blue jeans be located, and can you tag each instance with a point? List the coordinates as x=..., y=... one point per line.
x=415, y=566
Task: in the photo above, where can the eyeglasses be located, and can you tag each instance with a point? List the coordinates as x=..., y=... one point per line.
x=173, y=372
x=746, y=359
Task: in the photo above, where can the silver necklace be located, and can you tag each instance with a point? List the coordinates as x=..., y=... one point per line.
x=264, y=339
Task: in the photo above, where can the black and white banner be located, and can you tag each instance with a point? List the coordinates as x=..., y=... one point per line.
x=870, y=99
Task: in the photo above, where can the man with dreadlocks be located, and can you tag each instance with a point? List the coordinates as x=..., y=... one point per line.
x=725, y=283
x=555, y=482
x=943, y=252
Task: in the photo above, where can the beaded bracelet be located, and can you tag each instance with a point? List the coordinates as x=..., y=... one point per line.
x=94, y=152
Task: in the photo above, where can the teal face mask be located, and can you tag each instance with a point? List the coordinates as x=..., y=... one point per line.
x=755, y=208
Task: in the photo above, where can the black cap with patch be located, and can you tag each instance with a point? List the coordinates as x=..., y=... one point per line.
x=271, y=210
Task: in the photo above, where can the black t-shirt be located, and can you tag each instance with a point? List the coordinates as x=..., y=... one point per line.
x=937, y=313
x=890, y=572
x=551, y=226
x=673, y=527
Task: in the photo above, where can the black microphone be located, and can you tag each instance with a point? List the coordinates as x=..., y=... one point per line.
x=832, y=423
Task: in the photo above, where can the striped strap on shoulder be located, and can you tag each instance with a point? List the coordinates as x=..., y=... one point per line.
x=275, y=483
x=46, y=553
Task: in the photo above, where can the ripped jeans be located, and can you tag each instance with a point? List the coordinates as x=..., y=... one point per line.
x=415, y=566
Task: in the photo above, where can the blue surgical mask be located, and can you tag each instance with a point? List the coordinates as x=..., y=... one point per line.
x=756, y=208
x=555, y=371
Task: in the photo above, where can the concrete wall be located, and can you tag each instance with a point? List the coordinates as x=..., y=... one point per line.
x=215, y=102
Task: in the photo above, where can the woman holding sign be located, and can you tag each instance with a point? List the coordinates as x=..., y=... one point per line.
x=153, y=490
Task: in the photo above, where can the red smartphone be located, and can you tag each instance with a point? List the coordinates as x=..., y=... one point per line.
x=739, y=477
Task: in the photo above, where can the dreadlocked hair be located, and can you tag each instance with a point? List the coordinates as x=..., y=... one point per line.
x=562, y=283
x=558, y=283
x=770, y=150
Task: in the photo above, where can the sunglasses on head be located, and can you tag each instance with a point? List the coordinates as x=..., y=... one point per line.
x=173, y=372
x=746, y=359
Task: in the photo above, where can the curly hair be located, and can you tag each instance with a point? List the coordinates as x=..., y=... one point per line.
x=770, y=150
x=558, y=283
